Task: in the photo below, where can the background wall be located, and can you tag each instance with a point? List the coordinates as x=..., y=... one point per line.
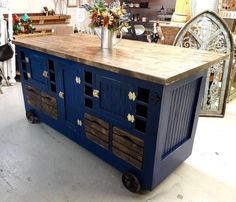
x=60, y=6
x=156, y=4
x=36, y=6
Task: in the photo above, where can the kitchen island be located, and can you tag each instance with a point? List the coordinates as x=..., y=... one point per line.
x=136, y=107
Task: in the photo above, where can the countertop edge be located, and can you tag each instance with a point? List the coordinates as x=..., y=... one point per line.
x=195, y=71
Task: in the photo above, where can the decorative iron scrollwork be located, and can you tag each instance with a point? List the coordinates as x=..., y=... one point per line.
x=208, y=32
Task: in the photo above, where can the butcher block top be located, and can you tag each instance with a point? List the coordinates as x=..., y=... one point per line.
x=147, y=61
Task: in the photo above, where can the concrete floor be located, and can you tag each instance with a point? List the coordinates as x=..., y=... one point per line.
x=37, y=164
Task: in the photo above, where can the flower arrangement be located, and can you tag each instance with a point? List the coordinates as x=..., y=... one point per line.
x=111, y=16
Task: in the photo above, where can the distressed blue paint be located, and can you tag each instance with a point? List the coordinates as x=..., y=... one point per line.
x=170, y=122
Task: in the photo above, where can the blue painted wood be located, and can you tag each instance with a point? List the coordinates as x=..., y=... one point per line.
x=169, y=155
x=69, y=107
x=37, y=66
x=113, y=98
x=180, y=121
x=168, y=126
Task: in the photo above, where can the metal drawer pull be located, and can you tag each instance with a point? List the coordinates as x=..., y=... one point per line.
x=130, y=118
x=28, y=75
x=45, y=74
x=132, y=96
x=26, y=59
x=96, y=93
x=61, y=95
x=77, y=80
x=79, y=122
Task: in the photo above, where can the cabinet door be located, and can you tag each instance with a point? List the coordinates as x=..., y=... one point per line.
x=38, y=69
x=69, y=91
x=33, y=66
x=112, y=98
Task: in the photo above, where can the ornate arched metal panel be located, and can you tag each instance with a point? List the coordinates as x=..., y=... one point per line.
x=207, y=31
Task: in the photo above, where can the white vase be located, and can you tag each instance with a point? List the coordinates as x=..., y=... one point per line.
x=108, y=38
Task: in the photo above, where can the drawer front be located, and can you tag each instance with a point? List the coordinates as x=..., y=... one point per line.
x=42, y=101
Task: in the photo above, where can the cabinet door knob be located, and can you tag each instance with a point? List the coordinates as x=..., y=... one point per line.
x=28, y=75
x=45, y=74
x=26, y=59
x=79, y=122
x=96, y=93
x=132, y=96
x=130, y=118
x=61, y=95
x=77, y=80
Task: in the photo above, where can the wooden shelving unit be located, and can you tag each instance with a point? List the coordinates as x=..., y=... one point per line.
x=39, y=20
x=47, y=20
x=227, y=14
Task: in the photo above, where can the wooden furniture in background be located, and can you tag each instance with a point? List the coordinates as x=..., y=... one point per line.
x=46, y=25
x=48, y=20
x=57, y=30
x=170, y=30
x=227, y=5
x=37, y=32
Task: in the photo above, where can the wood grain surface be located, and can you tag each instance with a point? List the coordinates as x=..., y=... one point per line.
x=147, y=61
x=96, y=130
x=128, y=147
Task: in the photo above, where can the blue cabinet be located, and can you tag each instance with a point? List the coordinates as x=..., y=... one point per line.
x=143, y=129
x=126, y=101
x=33, y=68
x=37, y=68
x=102, y=91
x=48, y=87
x=69, y=91
x=110, y=91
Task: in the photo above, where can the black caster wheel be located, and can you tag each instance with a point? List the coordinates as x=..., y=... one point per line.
x=31, y=117
x=131, y=182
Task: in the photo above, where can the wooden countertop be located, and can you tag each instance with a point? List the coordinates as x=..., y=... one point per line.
x=147, y=61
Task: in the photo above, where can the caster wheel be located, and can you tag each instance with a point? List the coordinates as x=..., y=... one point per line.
x=131, y=182
x=31, y=118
